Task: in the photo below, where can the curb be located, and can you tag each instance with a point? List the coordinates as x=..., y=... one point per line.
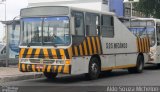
x=21, y=77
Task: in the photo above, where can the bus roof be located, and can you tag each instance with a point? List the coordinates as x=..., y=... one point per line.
x=39, y=8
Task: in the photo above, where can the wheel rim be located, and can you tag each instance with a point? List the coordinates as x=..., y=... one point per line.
x=94, y=68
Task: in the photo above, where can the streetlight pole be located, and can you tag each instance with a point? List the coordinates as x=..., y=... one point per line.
x=5, y=27
x=5, y=9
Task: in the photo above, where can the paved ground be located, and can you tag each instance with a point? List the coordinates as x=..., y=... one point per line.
x=150, y=77
x=12, y=74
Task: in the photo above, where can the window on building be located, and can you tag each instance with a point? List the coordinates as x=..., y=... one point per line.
x=92, y=24
x=107, y=26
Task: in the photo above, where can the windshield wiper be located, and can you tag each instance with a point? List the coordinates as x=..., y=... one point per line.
x=28, y=45
x=54, y=45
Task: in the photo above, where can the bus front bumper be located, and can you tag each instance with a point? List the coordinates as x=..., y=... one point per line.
x=64, y=69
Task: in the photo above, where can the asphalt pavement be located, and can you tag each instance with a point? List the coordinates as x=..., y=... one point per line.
x=78, y=83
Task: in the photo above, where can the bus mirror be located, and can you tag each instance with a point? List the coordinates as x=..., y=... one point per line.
x=72, y=26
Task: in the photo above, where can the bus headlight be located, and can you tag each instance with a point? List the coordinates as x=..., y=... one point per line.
x=24, y=61
x=59, y=61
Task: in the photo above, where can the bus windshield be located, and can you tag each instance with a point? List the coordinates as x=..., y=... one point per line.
x=144, y=31
x=49, y=31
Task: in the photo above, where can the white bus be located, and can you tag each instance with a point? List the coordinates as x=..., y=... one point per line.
x=148, y=27
x=68, y=40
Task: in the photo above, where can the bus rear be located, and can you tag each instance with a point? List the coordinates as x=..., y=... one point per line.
x=146, y=27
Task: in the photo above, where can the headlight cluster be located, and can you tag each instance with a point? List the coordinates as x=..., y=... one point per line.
x=44, y=61
x=24, y=60
x=59, y=62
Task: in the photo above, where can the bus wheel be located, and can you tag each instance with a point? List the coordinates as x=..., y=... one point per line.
x=139, y=65
x=94, y=69
x=50, y=75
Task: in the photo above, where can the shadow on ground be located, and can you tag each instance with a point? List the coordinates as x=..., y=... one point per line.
x=151, y=67
x=81, y=78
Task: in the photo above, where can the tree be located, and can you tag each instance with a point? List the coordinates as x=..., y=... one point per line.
x=149, y=7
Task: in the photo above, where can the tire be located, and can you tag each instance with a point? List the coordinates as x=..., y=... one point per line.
x=94, y=69
x=158, y=65
x=105, y=73
x=139, y=66
x=50, y=75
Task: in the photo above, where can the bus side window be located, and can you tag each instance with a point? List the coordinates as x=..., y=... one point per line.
x=78, y=37
x=107, y=26
x=92, y=24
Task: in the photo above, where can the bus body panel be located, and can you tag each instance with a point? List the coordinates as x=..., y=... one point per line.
x=119, y=51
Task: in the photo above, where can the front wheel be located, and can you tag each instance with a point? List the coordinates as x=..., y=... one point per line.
x=139, y=66
x=94, y=69
x=50, y=75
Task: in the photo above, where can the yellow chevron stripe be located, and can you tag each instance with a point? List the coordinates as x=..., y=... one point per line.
x=80, y=49
x=66, y=69
x=89, y=44
x=29, y=53
x=138, y=45
x=98, y=44
x=142, y=44
x=94, y=45
x=85, y=48
x=54, y=53
x=76, y=50
x=21, y=53
x=23, y=67
x=145, y=43
x=44, y=67
x=49, y=68
x=45, y=53
x=59, y=68
x=37, y=52
x=70, y=52
x=33, y=68
x=62, y=53
x=139, y=42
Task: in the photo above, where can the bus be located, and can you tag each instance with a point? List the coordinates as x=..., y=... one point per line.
x=149, y=27
x=69, y=40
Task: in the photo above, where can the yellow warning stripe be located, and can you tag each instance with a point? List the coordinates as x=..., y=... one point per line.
x=94, y=45
x=85, y=47
x=98, y=44
x=81, y=51
x=46, y=68
x=21, y=52
x=118, y=67
x=89, y=44
x=45, y=53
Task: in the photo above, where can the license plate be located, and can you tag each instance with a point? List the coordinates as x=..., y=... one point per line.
x=40, y=66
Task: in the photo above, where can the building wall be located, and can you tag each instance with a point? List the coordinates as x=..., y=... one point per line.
x=117, y=7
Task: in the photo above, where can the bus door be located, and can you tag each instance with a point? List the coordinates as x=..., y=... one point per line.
x=108, y=40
